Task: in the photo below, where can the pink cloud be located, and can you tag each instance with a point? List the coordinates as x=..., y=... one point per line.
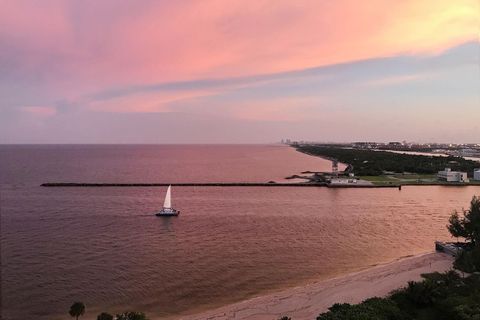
x=282, y=109
x=397, y=80
x=109, y=43
x=40, y=111
x=145, y=102
x=234, y=59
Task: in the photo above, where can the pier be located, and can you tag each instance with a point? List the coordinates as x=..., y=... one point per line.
x=452, y=248
x=185, y=184
x=212, y=184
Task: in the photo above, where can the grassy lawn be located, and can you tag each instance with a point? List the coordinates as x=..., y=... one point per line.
x=400, y=178
x=380, y=180
x=415, y=176
x=408, y=179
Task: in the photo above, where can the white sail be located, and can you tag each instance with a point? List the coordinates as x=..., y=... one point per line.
x=168, y=198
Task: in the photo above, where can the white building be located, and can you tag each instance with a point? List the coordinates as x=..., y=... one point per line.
x=476, y=174
x=452, y=176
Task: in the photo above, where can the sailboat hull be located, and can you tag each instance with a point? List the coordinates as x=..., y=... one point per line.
x=167, y=213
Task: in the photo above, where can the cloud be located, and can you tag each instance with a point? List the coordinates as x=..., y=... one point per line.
x=265, y=61
x=40, y=111
x=395, y=80
x=113, y=43
x=146, y=101
x=300, y=94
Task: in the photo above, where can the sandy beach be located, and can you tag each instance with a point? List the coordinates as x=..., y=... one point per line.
x=306, y=302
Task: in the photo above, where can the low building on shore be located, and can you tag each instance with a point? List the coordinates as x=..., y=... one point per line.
x=452, y=176
x=476, y=174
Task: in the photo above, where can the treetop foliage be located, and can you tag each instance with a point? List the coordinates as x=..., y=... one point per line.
x=374, y=163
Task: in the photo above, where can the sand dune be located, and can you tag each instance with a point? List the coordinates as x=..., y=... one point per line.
x=308, y=301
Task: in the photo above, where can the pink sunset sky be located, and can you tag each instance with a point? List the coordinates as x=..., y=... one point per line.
x=129, y=71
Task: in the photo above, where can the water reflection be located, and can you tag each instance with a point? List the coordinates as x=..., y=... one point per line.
x=167, y=224
x=106, y=247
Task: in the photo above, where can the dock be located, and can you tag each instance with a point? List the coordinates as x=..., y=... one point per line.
x=452, y=248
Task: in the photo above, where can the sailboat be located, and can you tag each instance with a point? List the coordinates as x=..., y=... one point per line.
x=167, y=210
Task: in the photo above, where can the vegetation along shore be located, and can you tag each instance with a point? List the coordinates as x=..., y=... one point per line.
x=387, y=168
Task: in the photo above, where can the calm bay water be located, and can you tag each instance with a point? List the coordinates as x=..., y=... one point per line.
x=104, y=247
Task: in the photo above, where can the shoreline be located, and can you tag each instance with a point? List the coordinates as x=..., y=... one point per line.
x=308, y=301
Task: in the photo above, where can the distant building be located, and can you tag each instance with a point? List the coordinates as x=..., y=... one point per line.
x=476, y=174
x=365, y=145
x=452, y=176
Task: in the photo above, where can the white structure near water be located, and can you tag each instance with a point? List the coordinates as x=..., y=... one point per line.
x=452, y=176
x=476, y=174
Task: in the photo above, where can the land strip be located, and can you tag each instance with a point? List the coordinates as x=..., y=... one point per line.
x=374, y=163
x=384, y=168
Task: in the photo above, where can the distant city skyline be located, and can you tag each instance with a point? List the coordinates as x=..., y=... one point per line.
x=239, y=72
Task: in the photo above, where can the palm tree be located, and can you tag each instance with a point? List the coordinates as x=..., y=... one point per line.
x=77, y=309
x=104, y=316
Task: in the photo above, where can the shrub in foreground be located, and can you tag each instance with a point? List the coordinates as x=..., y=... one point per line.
x=104, y=316
x=131, y=315
x=440, y=296
x=371, y=309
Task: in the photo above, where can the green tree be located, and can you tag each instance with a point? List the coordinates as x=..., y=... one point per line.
x=104, y=316
x=370, y=309
x=455, y=226
x=468, y=226
x=469, y=260
x=77, y=309
x=132, y=315
x=423, y=293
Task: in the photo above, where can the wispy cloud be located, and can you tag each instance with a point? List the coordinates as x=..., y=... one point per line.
x=277, y=61
x=41, y=111
x=266, y=90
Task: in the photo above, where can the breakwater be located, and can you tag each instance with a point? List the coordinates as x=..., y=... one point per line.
x=187, y=184
x=212, y=184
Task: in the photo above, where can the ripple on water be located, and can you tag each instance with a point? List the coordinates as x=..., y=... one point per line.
x=104, y=247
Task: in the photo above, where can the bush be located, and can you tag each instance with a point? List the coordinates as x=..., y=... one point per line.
x=104, y=316
x=131, y=315
x=469, y=260
x=441, y=296
x=371, y=309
